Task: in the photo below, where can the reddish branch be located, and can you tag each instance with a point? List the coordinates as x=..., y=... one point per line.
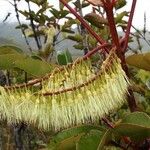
x=130, y=98
x=108, y=123
x=108, y=6
x=126, y=38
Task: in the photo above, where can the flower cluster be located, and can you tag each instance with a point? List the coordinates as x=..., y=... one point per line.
x=75, y=95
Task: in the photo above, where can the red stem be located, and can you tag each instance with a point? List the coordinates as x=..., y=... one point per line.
x=108, y=123
x=90, y=53
x=131, y=99
x=126, y=38
x=111, y=21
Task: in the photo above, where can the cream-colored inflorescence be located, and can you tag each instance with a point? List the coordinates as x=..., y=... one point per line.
x=78, y=94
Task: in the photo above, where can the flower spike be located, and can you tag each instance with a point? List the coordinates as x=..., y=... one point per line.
x=72, y=96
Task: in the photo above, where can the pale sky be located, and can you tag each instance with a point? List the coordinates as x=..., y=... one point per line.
x=142, y=6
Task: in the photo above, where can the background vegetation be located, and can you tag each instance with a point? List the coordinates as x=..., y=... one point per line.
x=129, y=127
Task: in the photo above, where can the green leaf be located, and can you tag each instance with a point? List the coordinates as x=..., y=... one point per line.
x=8, y=55
x=141, y=61
x=9, y=49
x=77, y=4
x=90, y=141
x=63, y=13
x=34, y=67
x=92, y=41
x=77, y=37
x=120, y=16
x=38, y=33
x=143, y=75
x=41, y=11
x=105, y=33
x=67, y=139
x=135, y=125
x=85, y=4
x=95, y=139
x=96, y=19
x=41, y=19
x=48, y=49
x=55, y=12
x=24, y=13
x=38, y=2
x=34, y=56
x=69, y=23
x=23, y=26
x=120, y=4
x=68, y=56
x=105, y=138
x=64, y=57
x=78, y=46
x=69, y=144
x=68, y=31
x=13, y=57
x=7, y=61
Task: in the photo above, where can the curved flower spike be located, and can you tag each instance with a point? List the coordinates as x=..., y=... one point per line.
x=81, y=96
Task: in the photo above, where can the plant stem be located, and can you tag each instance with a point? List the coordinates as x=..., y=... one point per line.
x=18, y=130
x=126, y=37
x=8, y=78
x=33, y=27
x=108, y=6
x=141, y=35
x=22, y=30
x=108, y=123
x=83, y=31
x=130, y=98
x=25, y=77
